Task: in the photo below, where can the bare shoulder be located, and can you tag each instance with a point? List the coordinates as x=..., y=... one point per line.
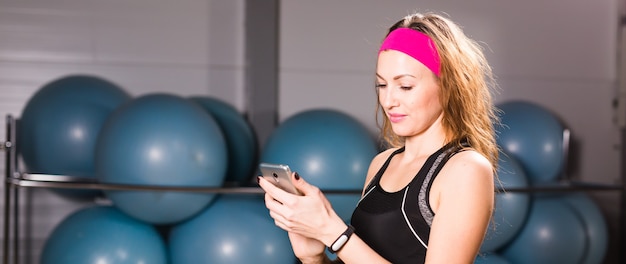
x=467, y=178
x=470, y=157
x=468, y=166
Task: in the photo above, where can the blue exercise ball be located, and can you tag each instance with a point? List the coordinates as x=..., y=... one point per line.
x=329, y=149
x=103, y=234
x=511, y=208
x=163, y=140
x=233, y=229
x=240, y=138
x=490, y=258
x=534, y=136
x=595, y=226
x=553, y=233
x=60, y=124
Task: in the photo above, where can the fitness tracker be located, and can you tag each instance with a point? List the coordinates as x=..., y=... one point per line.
x=341, y=240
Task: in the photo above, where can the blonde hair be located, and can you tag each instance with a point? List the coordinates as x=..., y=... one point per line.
x=466, y=82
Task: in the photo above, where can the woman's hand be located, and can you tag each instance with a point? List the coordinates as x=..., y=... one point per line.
x=308, y=250
x=310, y=220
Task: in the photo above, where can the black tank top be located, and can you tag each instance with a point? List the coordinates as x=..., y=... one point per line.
x=397, y=225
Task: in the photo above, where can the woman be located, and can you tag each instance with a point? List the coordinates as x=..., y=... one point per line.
x=429, y=197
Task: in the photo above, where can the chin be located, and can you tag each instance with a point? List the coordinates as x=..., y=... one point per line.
x=402, y=133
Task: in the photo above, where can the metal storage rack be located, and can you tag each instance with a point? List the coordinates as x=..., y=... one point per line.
x=16, y=180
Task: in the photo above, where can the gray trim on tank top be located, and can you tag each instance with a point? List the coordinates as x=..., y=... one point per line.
x=424, y=207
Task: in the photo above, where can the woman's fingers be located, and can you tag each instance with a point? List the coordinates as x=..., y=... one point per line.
x=271, y=189
x=279, y=211
x=304, y=215
x=302, y=185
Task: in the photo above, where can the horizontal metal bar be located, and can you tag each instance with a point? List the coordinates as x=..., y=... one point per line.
x=571, y=187
x=131, y=187
x=69, y=182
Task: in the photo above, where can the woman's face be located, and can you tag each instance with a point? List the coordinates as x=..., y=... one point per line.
x=408, y=93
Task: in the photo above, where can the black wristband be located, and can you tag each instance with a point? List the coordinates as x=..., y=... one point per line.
x=341, y=240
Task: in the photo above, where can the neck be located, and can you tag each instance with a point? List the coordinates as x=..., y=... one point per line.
x=427, y=142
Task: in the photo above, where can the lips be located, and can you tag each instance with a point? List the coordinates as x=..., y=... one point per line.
x=395, y=118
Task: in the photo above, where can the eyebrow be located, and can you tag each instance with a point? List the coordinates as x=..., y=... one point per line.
x=398, y=76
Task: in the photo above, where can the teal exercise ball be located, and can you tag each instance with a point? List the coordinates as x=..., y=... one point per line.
x=534, y=136
x=235, y=228
x=329, y=149
x=553, y=233
x=490, y=258
x=595, y=224
x=102, y=234
x=60, y=124
x=162, y=140
x=240, y=137
x=511, y=208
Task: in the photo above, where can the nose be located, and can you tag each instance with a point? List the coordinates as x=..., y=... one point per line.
x=387, y=98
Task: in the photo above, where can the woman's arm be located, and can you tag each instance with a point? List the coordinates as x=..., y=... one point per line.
x=311, y=221
x=311, y=216
x=462, y=197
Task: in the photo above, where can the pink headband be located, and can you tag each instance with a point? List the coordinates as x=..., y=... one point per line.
x=415, y=44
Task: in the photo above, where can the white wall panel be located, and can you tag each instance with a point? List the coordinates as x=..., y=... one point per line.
x=186, y=47
x=302, y=90
x=226, y=33
x=568, y=38
x=159, y=32
x=36, y=34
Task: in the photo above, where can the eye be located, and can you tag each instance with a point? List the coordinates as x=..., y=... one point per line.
x=380, y=85
x=406, y=88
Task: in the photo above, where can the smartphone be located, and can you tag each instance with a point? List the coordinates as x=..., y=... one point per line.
x=279, y=175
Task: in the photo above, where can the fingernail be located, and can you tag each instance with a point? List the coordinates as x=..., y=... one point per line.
x=297, y=176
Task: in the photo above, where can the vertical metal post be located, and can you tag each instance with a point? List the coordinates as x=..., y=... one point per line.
x=6, y=239
x=9, y=206
x=16, y=224
x=622, y=211
x=7, y=213
x=261, y=77
x=621, y=122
